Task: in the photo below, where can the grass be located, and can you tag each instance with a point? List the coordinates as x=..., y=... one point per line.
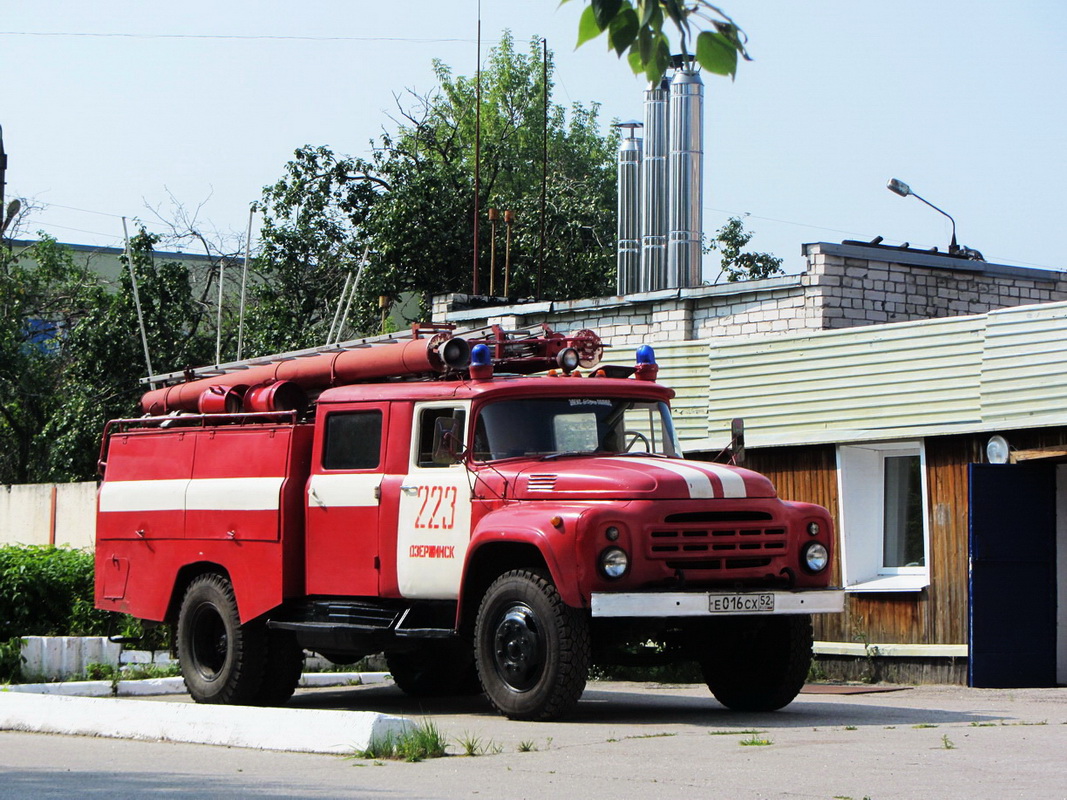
x=755, y=741
x=416, y=744
x=751, y=731
x=475, y=746
x=527, y=746
x=946, y=743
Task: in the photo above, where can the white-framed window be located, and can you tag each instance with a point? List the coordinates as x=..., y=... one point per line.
x=885, y=539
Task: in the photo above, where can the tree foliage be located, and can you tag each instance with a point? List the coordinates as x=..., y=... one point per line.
x=737, y=265
x=71, y=356
x=43, y=297
x=411, y=204
x=635, y=28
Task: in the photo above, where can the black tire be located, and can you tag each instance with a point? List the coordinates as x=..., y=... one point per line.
x=758, y=663
x=222, y=660
x=435, y=669
x=284, y=667
x=532, y=649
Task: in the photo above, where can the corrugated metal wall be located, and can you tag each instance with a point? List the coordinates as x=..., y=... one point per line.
x=798, y=388
x=1002, y=370
x=1024, y=369
x=683, y=366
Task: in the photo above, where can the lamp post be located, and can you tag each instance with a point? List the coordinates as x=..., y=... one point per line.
x=901, y=188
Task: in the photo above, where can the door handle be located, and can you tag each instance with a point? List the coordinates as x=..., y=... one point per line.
x=409, y=489
x=315, y=498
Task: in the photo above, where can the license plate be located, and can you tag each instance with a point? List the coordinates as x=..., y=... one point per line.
x=758, y=603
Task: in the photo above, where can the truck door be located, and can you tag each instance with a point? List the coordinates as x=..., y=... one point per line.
x=434, y=520
x=343, y=502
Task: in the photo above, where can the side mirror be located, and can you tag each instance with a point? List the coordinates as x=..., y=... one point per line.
x=447, y=440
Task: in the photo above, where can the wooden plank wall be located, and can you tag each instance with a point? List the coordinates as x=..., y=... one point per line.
x=936, y=615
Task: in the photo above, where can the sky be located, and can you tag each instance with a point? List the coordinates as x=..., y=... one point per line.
x=113, y=109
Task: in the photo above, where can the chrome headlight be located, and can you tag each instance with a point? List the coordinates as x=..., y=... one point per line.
x=816, y=557
x=614, y=562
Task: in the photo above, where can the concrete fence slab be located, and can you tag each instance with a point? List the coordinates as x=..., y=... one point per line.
x=58, y=657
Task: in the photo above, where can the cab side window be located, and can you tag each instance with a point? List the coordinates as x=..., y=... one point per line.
x=428, y=418
x=353, y=440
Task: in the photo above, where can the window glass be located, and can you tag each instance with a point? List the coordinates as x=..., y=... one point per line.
x=883, y=505
x=353, y=440
x=903, y=521
x=427, y=425
x=573, y=425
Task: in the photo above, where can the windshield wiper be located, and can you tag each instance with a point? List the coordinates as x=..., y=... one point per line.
x=642, y=453
x=571, y=454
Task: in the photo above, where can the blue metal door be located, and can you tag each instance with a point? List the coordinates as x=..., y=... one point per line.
x=1013, y=575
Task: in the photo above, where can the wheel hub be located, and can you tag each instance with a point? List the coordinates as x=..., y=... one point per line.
x=210, y=642
x=518, y=648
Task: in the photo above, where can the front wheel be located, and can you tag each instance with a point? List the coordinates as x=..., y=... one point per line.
x=531, y=648
x=757, y=663
x=222, y=660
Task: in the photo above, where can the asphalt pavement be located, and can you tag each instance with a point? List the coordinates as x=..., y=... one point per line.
x=628, y=740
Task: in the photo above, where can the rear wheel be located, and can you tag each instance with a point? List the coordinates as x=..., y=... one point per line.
x=532, y=649
x=222, y=660
x=757, y=663
x=284, y=666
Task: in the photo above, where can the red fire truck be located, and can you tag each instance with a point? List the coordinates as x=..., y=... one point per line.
x=431, y=497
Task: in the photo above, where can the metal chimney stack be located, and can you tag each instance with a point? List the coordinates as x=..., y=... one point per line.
x=629, y=238
x=654, y=179
x=685, y=192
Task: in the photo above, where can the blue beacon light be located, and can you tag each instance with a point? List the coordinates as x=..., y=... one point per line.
x=481, y=365
x=647, y=368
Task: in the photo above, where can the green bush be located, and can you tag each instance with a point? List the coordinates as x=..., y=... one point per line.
x=48, y=591
x=10, y=660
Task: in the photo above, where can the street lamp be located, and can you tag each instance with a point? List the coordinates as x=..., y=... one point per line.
x=899, y=187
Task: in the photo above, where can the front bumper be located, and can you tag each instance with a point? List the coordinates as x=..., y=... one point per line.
x=700, y=604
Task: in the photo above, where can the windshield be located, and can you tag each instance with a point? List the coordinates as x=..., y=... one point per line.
x=573, y=425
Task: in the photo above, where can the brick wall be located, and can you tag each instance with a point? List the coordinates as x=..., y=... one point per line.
x=843, y=286
x=860, y=285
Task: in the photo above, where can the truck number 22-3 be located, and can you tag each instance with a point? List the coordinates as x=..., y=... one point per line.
x=438, y=508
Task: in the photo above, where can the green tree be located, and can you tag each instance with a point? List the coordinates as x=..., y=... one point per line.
x=313, y=228
x=104, y=357
x=71, y=356
x=411, y=204
x=737, y=265
x=635, y=28
x=43, y=297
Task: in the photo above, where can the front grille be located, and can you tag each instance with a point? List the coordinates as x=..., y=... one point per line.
x=717, y=541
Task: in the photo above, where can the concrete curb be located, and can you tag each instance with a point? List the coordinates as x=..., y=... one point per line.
x=297, y=730
x=159, y=686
